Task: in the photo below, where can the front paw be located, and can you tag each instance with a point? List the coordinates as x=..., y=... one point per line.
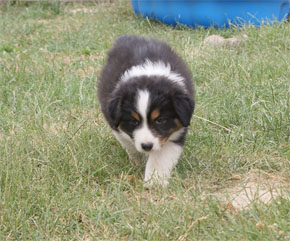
x=155, y=181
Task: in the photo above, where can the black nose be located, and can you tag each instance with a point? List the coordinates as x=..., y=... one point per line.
x=147, y=146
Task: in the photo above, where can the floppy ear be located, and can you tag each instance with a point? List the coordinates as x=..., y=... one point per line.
x=114, y=108
x=184, y=107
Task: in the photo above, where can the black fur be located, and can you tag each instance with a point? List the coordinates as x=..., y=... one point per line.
x=183, y=106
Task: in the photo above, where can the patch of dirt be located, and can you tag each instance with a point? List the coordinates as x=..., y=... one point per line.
x=55, y=128
x=83, y=10
x=217, y=40
x=253, y=187
x=44, y=21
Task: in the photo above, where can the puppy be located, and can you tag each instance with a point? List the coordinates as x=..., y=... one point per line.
x=146, y=95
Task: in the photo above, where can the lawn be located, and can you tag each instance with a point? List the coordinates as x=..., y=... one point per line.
x=64, y=177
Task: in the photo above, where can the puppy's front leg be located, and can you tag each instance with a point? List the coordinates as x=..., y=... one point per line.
x=160, y=163
x=128, y=145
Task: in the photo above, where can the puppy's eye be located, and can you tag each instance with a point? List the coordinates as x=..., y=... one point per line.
x=160, y=121
x=134, y=122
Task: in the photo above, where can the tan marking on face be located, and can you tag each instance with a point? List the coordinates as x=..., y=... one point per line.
x=154, y=114
x=135, y=116
x=178, y=123
x=163, y=139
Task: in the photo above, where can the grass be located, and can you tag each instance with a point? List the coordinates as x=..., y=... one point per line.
x=64, y=177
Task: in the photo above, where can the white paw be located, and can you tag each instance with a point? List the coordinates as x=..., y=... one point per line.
x=155, y=181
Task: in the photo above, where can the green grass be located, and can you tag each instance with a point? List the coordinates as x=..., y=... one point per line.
x=64, y=177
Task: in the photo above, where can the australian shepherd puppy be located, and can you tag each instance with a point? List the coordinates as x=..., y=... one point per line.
x=146, y=94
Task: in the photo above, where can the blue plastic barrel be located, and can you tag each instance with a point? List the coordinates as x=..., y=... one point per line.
x=216, y=13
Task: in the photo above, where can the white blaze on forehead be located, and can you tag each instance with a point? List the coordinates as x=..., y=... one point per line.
x=149, y=68
x=144, y=134
x=143, y=103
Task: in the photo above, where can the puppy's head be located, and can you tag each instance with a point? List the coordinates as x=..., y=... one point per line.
x=150, y=114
